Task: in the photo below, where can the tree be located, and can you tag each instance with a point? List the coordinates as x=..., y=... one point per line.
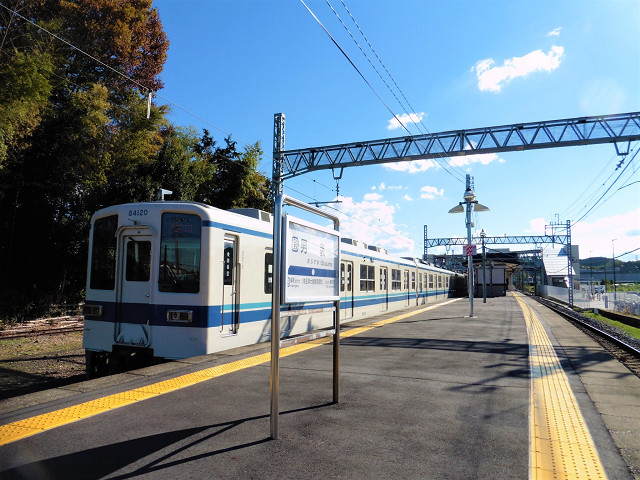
x=235, y=181
x=74, y=136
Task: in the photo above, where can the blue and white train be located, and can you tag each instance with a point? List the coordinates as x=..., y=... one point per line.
x=173, y=280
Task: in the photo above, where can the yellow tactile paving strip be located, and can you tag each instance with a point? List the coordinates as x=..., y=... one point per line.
x=561, y=446
x=31, y=426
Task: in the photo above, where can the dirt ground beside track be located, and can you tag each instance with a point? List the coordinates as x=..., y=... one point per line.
x=39, y=362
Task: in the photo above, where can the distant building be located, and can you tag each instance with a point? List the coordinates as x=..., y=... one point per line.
x=556, y=266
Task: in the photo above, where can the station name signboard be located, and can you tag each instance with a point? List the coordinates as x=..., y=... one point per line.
x=312, y=262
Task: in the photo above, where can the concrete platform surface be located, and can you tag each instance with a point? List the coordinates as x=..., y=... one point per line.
x=434, y=395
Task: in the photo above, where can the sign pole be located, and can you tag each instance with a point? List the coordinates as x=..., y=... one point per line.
x=281, y=259
x=275, y=316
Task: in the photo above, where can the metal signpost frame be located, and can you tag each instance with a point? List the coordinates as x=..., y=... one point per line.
x=279, y=294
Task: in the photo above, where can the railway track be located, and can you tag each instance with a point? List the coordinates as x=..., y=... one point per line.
x=623, y=347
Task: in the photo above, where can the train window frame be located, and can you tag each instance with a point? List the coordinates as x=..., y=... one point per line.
x=439, y=282
x=367, y=278
x=138, y=261
x=184, y=237
x=413, y=281
x=420, y=285
x=431, y=281
x=396, y=279
x=103, y=253
x=405, y=280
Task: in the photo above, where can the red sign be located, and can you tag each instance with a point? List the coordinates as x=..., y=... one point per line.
x=469, y=250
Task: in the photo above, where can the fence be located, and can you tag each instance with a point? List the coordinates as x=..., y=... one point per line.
x=625, y=302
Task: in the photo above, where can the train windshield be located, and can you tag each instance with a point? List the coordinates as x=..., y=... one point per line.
x=103, y=254
x=180, y=253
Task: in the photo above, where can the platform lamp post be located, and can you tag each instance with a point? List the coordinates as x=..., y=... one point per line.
x=471, y=205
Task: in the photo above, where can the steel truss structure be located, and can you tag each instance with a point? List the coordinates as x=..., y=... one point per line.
x=620, y=129
x=506, y=240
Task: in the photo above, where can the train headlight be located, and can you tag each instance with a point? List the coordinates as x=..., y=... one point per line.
x=180, y=316
x=94, y=311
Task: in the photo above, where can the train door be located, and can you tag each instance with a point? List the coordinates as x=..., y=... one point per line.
x=346, y=290
x=384, y=284
x=229, y=309
x=133, y=294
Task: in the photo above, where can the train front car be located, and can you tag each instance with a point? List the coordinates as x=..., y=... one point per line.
x=143, y=258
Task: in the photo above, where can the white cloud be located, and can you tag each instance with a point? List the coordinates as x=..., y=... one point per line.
x=482, y=158
x=594, y=239
x=408, y=198
x=493, y=78
x=405, y=118
x=372, y=222
x=536, y=226
x=429, y=192
x=555, y=32
x=414, y=166
x=372, y=197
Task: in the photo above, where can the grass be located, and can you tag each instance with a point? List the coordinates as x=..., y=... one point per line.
x=629, y=330
x=39, y=345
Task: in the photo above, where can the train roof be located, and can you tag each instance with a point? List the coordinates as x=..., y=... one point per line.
x=255, y=219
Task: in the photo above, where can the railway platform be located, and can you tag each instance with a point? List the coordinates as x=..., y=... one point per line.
x=428, y=393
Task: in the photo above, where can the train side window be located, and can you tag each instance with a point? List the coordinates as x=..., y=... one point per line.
x=349, y=277
x=367, y=278
x=439, y=281
x=413, y=280
x=268, y=273
x=138, y=261
x=446, y=282
x=342, y=277
x=396, y=282
x=431, y=281
x=406, y=280
x=229, y=262
x=180, y=241
x=103, y=253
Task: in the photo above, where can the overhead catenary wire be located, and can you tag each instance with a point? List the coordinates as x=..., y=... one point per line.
x=596, y=204
x=344, y=53
x=408, y=103
x=569, y=211
x=441, y=156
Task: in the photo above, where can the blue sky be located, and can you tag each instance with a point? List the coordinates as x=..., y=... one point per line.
x=233, y=64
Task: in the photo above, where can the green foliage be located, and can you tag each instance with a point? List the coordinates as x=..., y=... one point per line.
x=75, y=137
x=232, y=180
x=23, y=98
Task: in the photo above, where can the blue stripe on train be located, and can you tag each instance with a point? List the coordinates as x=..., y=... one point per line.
x=209, y=316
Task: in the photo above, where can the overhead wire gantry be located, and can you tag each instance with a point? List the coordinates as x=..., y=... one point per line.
x=620, y=129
